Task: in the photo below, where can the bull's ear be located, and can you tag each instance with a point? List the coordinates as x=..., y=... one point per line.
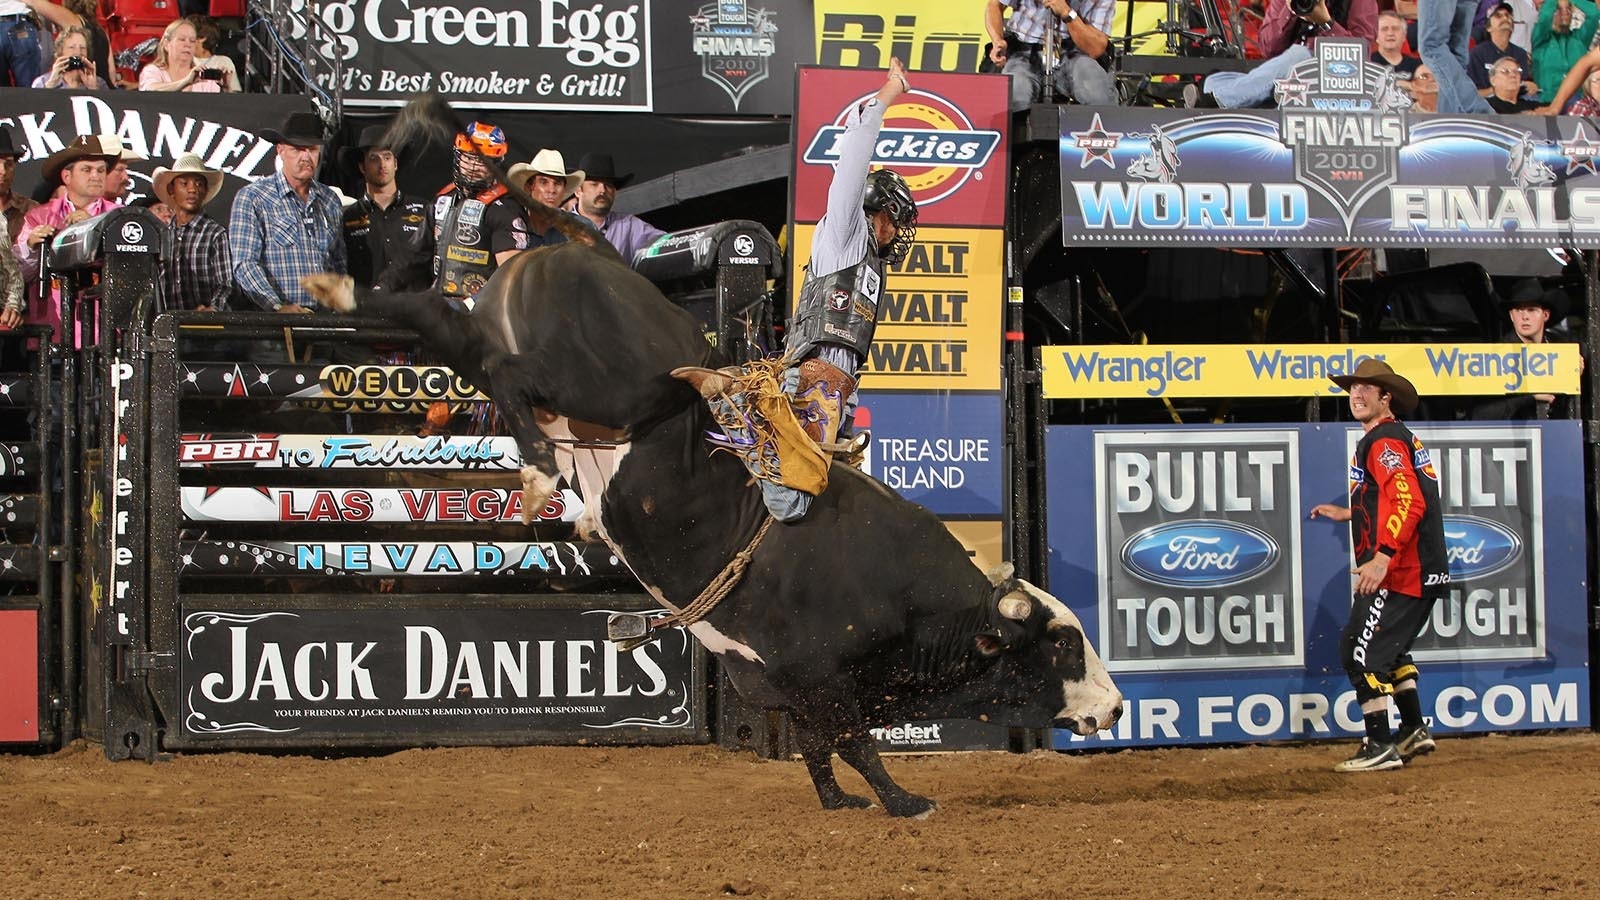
x=1001, y=574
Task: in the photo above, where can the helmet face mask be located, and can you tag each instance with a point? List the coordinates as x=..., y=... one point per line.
x=479, y=143
x=888, y=192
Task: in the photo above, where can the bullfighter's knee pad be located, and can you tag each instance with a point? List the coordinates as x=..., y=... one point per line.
x=820, y=399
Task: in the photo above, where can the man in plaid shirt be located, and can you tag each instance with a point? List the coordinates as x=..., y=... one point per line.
x=1018, y=47
x=287, y=226
x=199, y=274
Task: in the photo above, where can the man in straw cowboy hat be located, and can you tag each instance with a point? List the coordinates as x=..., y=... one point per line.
x=199, y=273
x=477, y=225
x=596, y=196
x=386, y=231
x=547, y=180
x=80, y=168
x=1397, y=535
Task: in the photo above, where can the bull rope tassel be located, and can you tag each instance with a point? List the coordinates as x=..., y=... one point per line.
x=720, y=586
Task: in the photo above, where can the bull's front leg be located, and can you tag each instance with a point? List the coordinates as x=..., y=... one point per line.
x=539, y=472
x=862, y=754
x=817, y=751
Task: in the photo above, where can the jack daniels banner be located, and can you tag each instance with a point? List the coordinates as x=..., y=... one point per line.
x=1343, y=160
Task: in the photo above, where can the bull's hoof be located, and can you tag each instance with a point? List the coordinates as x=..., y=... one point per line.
x=910, y=807
x=537, y=489
x=847, y=801
x=336, y=292
x=710, y=383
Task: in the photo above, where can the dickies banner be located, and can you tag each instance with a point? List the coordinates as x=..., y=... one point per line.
x=1219, y=603
x=1342, y=160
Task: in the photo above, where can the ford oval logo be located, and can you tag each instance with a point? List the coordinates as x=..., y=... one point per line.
x=1341, y=68
x=1477, y=547
x=1199, y=553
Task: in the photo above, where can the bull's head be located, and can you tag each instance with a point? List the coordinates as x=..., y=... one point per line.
x=1041, y=642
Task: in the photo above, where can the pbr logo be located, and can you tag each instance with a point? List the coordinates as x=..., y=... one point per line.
x=735, y=44
x=925, y=138
x=1199, y=550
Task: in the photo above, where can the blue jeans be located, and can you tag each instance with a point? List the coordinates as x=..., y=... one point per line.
x=1078, y=77
x=1443, y=27
x=1239, y=90
x=19, y=51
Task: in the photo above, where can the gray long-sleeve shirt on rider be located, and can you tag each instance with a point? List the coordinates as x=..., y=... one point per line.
x=843, y=237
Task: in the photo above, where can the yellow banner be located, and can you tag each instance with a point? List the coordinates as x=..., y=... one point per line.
x=939, y=319
x=937, y=37
x=1302, y=370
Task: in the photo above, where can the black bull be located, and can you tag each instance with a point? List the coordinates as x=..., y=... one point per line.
x=867, y=612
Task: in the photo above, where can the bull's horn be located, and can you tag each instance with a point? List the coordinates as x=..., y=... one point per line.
x=1001, y=574
x=1015, y=606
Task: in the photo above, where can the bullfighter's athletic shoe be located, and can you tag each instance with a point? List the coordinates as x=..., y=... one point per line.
x=1417, y=742
x=1371, y=758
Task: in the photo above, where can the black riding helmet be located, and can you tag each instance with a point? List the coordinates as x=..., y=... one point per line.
x=887, y=191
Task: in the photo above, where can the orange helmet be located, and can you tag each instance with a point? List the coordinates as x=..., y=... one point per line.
x=483, y=139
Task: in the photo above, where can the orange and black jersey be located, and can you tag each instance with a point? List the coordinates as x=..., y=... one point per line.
x=1395, y=507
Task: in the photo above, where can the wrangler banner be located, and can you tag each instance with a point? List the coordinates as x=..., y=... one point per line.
x=1303, y=370
x=1341, y=161
x=1219, y=603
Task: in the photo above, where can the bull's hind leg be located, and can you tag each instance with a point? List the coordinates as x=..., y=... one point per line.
x=511, y=384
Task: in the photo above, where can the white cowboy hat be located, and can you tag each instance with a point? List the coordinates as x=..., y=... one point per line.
x=114, y=146
x=187, y=164
x=345, y=200
x=546, y=162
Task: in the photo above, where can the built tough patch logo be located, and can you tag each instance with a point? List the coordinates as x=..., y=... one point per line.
x=926, y=138
x=735, y=44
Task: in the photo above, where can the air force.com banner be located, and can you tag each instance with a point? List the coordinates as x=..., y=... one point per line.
x=1342, y=160
x=1218, y=603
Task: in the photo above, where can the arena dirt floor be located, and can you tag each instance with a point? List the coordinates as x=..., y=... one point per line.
x=1494, y=816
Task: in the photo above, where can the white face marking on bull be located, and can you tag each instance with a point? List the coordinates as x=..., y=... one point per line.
x=1094, y=703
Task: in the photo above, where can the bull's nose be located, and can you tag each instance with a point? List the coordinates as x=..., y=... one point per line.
x=1116, y=713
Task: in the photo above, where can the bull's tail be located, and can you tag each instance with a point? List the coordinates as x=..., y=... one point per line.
x=428, y=118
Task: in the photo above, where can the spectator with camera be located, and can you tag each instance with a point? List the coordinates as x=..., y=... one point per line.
x=1287, y=34
x=72, y=68
x=208, y=55
x=174, y=67
x=1022, y=48
x=83, y=14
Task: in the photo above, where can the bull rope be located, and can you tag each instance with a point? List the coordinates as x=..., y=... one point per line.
x=720, y=586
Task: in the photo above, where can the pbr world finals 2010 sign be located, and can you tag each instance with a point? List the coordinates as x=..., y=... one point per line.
x=1343, y=160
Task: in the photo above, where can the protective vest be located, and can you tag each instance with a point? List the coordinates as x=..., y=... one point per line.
x=838, y=308
x=464, y=260
x=1420, y=566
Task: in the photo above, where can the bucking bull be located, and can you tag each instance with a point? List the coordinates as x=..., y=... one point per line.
x=867, y=612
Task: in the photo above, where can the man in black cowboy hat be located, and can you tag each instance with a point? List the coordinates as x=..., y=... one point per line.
x=598, y=193
x=386, y=231
x=1536, y=317
x=287, y=226
x=1397, y=537
x=14, y=206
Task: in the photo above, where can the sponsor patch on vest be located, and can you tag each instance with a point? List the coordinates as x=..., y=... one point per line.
x=838, y=299
x=870, y=284
x=467, y=234
x=472, y=213
x=467, y=255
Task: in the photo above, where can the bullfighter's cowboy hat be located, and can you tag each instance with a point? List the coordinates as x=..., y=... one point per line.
x=1375, y=371
x=85, y=146
x=299, y=129
x=187, y=164
x=546, y=162
x=601, y=167
x=1530, y=292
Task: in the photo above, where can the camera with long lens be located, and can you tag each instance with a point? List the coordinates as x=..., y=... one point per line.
x=75, y=62
x=1303, y=7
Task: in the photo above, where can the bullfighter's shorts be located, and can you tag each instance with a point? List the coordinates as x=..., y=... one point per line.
x=1375, y=647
